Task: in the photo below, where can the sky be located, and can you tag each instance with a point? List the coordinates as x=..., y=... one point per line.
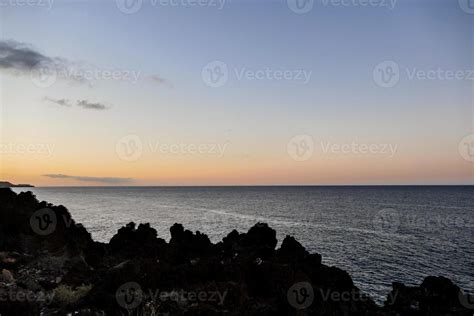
x=215, y=92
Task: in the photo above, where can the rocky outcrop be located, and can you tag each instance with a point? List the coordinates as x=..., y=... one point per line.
x=51, y=266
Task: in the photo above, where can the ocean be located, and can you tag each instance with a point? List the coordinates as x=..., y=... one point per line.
x=379, y=234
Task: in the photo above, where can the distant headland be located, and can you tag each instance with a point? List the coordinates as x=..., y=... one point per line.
x=6, y=184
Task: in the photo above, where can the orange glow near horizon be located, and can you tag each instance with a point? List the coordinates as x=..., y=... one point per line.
x=273, y=169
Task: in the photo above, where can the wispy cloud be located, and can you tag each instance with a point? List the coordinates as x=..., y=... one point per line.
x=62, y=102
x=107, y=180
x=160, y=80
x=85, y=104
x=91, y=105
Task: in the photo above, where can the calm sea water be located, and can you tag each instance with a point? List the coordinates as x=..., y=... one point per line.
x=377, y=234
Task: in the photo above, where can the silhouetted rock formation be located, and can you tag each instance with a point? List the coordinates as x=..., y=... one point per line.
x=51, y=266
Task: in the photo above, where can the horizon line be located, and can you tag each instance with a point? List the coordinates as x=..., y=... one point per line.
x=249, y=185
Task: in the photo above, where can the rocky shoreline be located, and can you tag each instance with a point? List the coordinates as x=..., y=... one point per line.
x=51, y=266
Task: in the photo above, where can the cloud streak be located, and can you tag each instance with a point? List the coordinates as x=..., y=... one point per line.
x=106, y=180
x=85, y=104
x=91, y=105
x=62, y=102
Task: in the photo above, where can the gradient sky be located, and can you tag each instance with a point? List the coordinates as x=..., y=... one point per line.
x=253, y=120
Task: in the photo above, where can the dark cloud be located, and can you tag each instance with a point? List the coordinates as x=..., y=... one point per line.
x=62, y=102
x=91, y=105
x=23, y=59
x=108, y=180
x=19, y=56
